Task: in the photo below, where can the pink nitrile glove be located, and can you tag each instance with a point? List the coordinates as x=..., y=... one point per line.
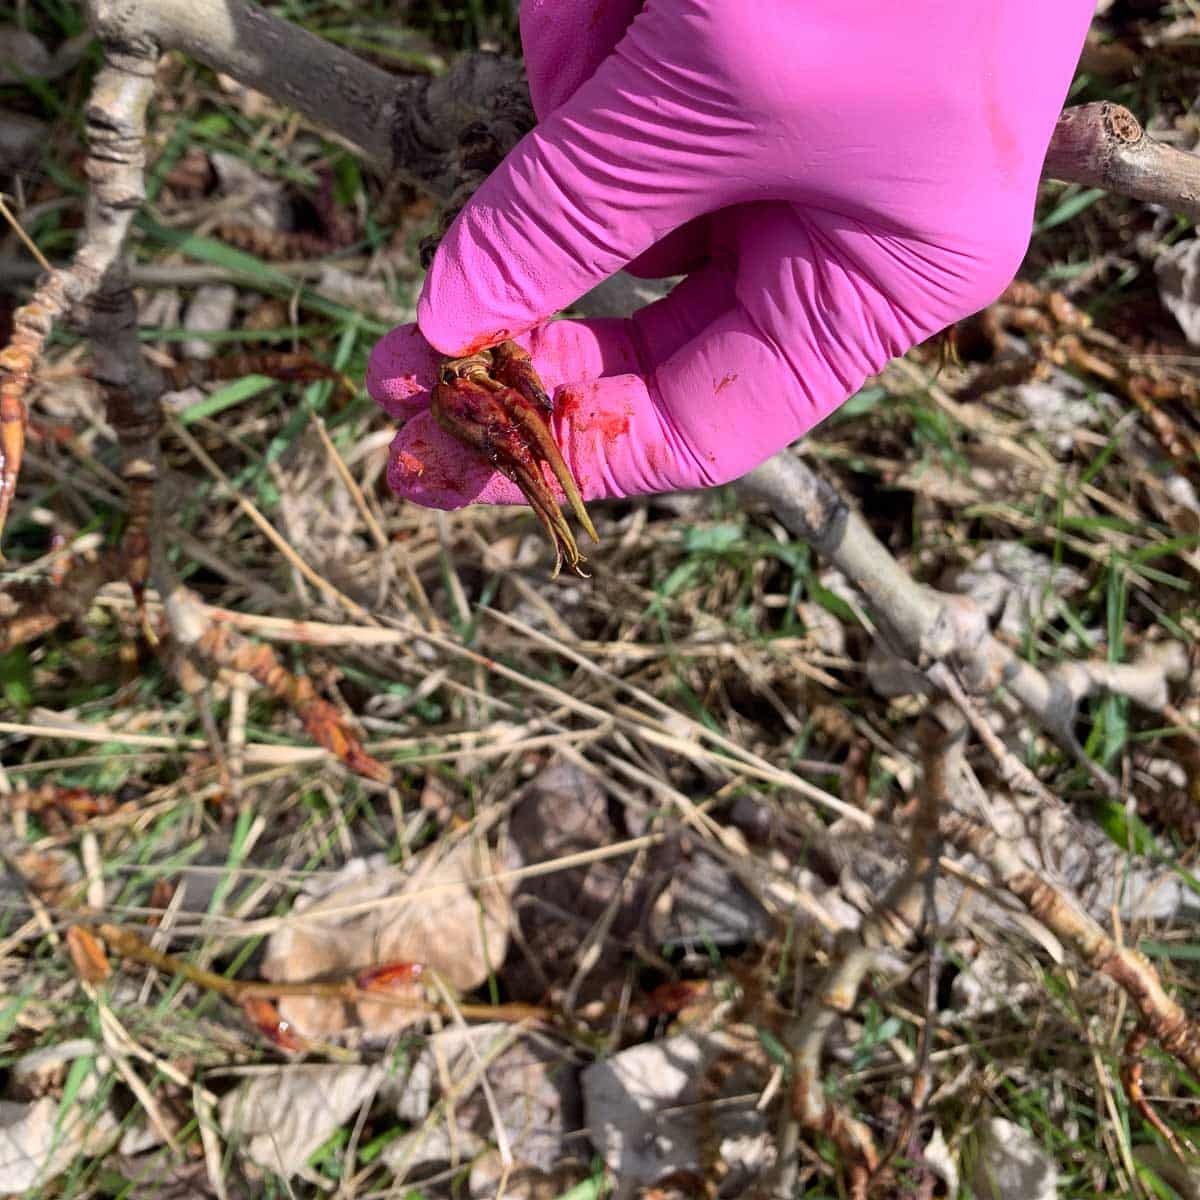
x=840, y=179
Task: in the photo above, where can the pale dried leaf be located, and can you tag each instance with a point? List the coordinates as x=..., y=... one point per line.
x=430, y=912
x=41, y=1139
x=262, y=203
x=1060, y=406
x=41, y=1072
x=534, y=1089
x=278, y=1119
x=1011, y=1165
x=52, y=875
x=939, y=1159
x=1180, y=489
x=158, y=307
x=1081, y=857
x=649, y=1113
x=1018, y=585
x=210, y=310
x=827, y=633
x=992, y=981
x=1178, y=271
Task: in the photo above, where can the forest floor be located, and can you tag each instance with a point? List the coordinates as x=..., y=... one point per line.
x=594, y=825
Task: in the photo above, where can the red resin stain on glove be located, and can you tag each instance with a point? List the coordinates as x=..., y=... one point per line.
x=571, y=404
x=483, y=342
x=412, y=467
x=428, y=466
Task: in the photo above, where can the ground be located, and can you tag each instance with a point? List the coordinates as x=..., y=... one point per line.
x=592, y=813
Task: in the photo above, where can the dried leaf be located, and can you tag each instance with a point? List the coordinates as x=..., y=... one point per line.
x=210, y=310
x=261, y=200
x=51, y=875
x=1011, y=1165
x=1060, y=406
x=87, y=955
x=992, y=981
x=564, y=811
x=652, y=1111
x=939, y=1159
x=43, y=1072
x=1024, y=587
x=279, y=1119
x=1081, y=857
x=1178, y=272
x=40, y=1140
x=534, y=1092
x=430, y=913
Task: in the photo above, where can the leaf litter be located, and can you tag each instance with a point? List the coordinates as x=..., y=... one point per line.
x=430, y=911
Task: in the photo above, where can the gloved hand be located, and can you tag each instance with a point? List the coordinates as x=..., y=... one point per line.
x=839, y=179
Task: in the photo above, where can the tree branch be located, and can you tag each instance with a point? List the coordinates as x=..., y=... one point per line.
x=408, y=124
x=1163, y=1018
x=940, y=631
x=1104, y=145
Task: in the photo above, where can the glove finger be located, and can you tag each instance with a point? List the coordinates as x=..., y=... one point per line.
x=401, y=372
x=403, y=366
x=608, y=175
x=564, y=41
x=603, y=411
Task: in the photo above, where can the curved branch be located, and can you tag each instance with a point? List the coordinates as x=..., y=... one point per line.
x=409, y=124
x=330, y=86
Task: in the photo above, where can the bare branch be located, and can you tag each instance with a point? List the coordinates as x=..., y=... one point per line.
x=932, y=628
x=892, y=923
x=410, y=124
x=1104, y=145
x=330, y=86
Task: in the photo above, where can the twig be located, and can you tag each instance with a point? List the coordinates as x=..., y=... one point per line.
x=24, y=238
x=946, y=635
x=892, y=923
x=353, y=990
